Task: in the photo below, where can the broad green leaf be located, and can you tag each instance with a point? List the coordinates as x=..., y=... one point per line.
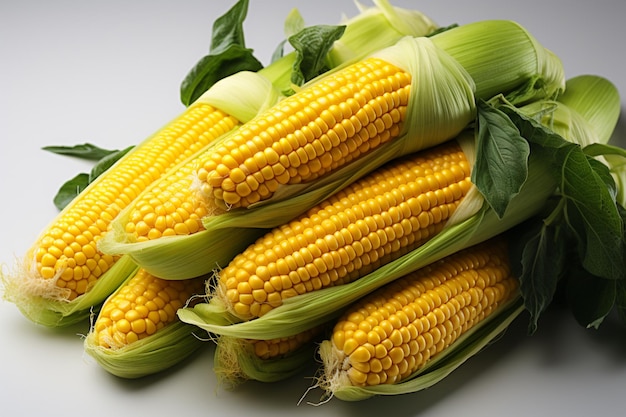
x=228, y=55
x=535, y=132
x=70, y=189
x=501, y=166
x=592, y=216
x=539, y=255
x=590, y=209
x=228, y=28
x=82, y=151
x=312, y=45
x=604, y=175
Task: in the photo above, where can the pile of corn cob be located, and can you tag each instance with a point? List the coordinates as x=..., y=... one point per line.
x=368, y=212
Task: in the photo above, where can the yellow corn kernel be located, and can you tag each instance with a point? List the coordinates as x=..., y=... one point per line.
x=67, y=249
x=141, y=307
x=307, y=135
x=426, y=311
x=369, y=223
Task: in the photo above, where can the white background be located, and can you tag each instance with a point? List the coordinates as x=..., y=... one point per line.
x=109, y=72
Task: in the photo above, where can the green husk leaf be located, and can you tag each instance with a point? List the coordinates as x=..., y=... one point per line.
x=596, y=99
x=168, y=347
x=375, y=28
x=586, y=215
x=503, y=57
x=620, y=300
x=615, y=157
x=183, y=256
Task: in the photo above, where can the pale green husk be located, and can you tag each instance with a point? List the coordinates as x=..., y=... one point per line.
x=162, y=350
x=242, y=95
x=512, y=54
x=168, y=347
x=375, y=28
x=576, y=114
x=583, y=93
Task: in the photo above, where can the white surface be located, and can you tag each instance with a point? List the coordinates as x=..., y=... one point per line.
x=109, y=72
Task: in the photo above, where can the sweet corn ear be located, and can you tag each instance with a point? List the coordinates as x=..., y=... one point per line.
x=137, y=331
x=391, y=334
x=308, y=134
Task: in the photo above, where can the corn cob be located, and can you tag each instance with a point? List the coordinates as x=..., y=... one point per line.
x=140, y=319
x=369, y=223
x=309, y=134
x=66, y=262
x=391, y=334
